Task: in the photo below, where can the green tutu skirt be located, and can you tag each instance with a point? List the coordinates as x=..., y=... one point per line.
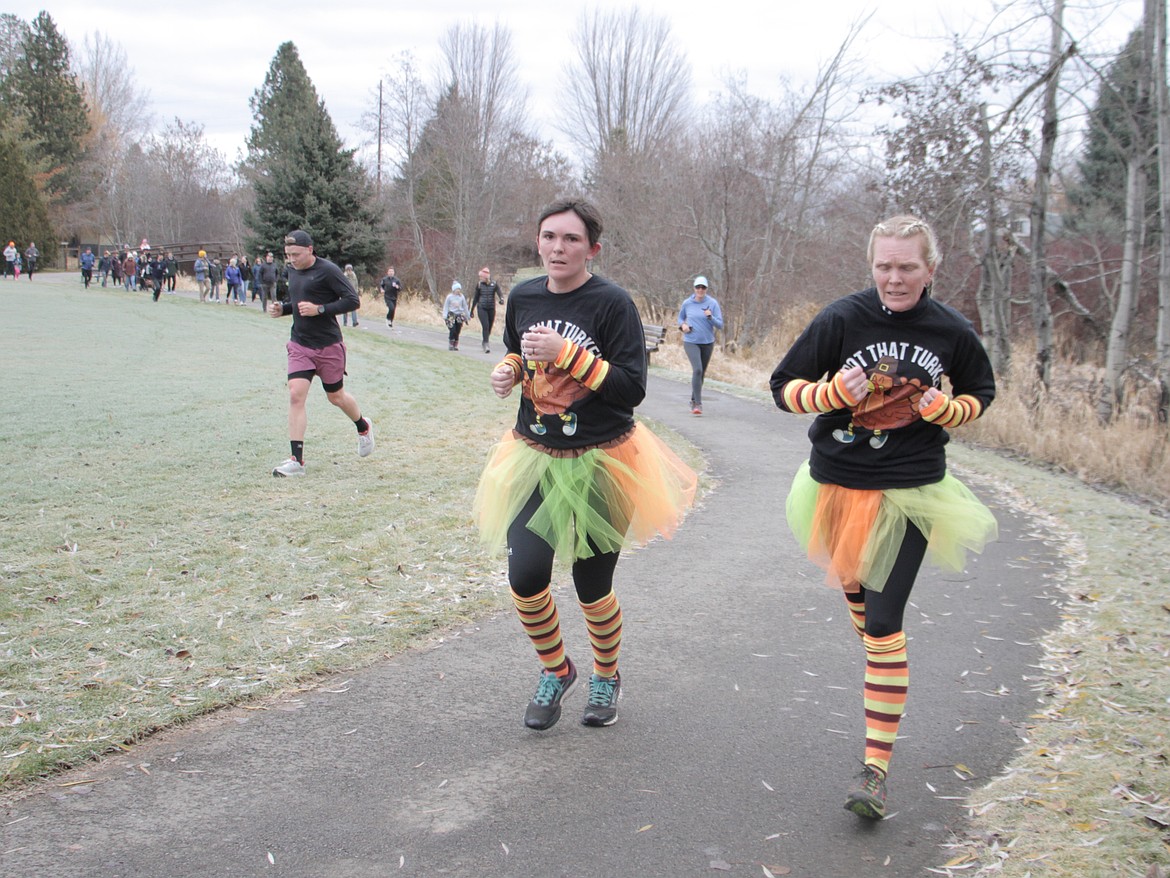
x=616, y=495
x=855, y=535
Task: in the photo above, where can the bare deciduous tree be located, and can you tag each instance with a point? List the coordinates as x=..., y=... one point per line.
x=397, y=124
x=171, y=188
x=628, y=88
x=765, y=173
x=627, y=110
x=482, y=111
x=114, y=99
x=466, y=174
x=1038, y=215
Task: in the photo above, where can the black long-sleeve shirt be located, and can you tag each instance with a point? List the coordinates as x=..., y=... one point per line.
x=557, y=410
x=902, y=353
x=322, y=283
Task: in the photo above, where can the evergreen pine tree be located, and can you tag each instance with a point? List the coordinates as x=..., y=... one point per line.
x=302, y=175
x=1099, y=195
x=23, y=215
x=46, y=95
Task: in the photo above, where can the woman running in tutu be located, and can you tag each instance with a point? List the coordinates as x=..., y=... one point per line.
x=576, y=476
x=875, y=497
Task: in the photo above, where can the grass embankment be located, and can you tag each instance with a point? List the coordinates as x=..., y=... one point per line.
x=152, y=569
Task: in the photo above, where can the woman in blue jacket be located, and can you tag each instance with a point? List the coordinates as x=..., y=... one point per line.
x=698, y=318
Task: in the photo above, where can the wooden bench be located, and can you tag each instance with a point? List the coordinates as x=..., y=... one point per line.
x=655, y=335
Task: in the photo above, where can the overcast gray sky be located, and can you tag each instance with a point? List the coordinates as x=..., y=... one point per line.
x=202, y=61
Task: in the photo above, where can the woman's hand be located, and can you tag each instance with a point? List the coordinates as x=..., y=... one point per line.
x=928, y=396
x=541, y=344
x=855, y=382
x=503, y=379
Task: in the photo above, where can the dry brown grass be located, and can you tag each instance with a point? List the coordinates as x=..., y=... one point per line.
x=412, y=309
x=1060, y=428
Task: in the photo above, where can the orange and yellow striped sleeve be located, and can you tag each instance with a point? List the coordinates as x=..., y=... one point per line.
x=807, y=397
x=589, y=369
x=947, y=412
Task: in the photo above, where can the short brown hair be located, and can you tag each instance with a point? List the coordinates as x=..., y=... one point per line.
x=585, y=211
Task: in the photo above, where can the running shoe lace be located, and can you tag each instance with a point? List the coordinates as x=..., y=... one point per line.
x=871, y=782
x=601, y=691
x=548, y=689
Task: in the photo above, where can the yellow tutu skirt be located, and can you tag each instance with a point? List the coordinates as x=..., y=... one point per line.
x=619, y=494
x=855, y=535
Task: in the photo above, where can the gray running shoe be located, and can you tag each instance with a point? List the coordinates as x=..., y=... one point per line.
x=869, y=799
x=545, y=707
x=601, y=708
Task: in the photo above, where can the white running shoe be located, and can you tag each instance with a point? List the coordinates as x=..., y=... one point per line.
x=366, y=440
x=290, y=467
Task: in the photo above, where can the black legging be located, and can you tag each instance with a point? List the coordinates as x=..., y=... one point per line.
x=884, y=609
x=530, y=562
x=487, y=318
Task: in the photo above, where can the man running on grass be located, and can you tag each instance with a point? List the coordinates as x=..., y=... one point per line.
x=317, y=293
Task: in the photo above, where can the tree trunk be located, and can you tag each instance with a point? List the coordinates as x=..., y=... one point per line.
x=1117, y=352
x=1038, y=274
x=993, y=290
x=1112, y=395
x=1162, y=105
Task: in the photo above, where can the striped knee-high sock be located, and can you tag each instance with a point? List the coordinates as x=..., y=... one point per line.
x=887, y=676
x=603, y=618
x=857, y=616
x=538, y=615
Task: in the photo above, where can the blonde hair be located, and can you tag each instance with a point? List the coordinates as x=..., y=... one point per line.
x=906, y=226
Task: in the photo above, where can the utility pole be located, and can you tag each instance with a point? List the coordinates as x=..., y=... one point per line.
x=379, y=185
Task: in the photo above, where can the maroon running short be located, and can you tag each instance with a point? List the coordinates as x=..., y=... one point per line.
x=328, y=363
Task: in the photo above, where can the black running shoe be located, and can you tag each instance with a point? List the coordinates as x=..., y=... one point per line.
x=604, y=692
x=545, y=707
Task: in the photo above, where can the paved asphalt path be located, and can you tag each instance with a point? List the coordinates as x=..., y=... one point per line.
x=738, y=737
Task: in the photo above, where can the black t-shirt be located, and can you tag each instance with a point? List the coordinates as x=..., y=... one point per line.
x=322, y=283
x=903, y=353
x=555, y=409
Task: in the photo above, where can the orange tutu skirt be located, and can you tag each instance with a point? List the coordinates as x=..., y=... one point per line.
x=619, y=494
x=855, y=535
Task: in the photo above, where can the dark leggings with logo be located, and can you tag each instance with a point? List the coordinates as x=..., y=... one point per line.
x=530, y=561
